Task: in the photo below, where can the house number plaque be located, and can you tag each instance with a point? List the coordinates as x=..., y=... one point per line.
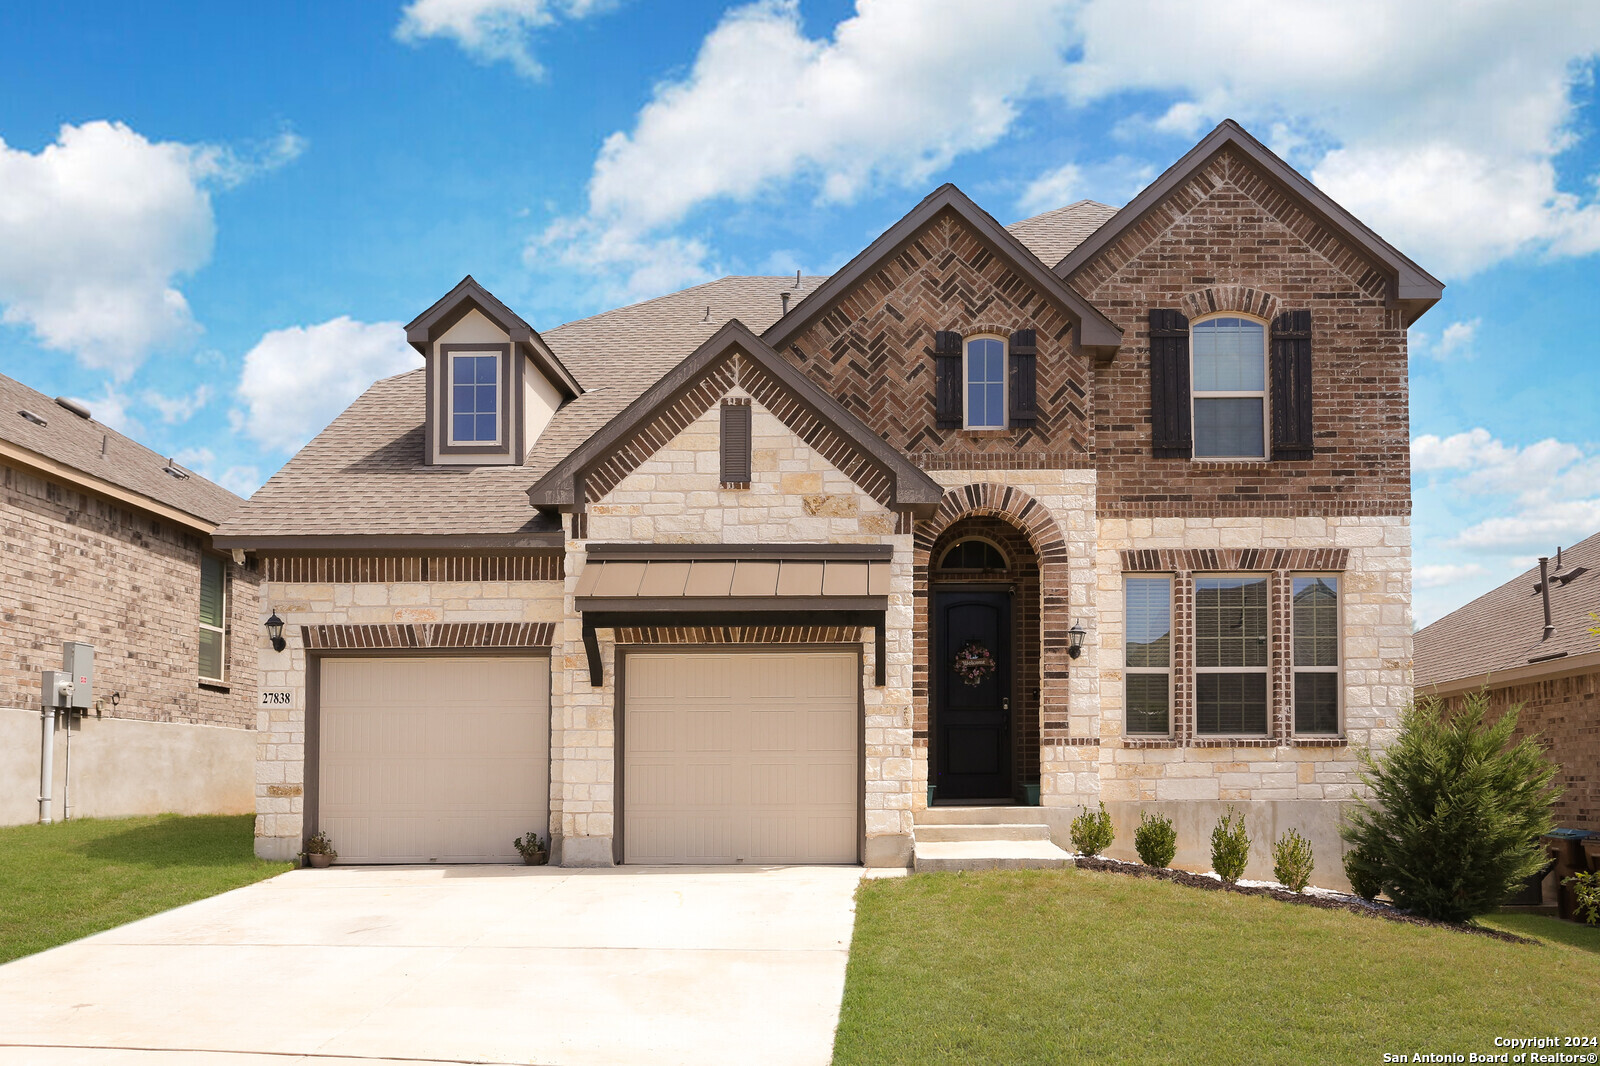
x=277, y=697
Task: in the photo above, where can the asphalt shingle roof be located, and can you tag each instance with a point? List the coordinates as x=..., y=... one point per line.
x=1502, y=630
x=100, y=451
x=365, y=474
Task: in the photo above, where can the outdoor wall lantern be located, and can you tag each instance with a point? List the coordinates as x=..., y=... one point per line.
x=275, y=632
x=1076, y=635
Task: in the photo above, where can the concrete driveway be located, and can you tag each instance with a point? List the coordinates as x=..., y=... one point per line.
x=454, y=964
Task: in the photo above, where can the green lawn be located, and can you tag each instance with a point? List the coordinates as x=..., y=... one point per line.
x=1074, y=966
x=60, y=882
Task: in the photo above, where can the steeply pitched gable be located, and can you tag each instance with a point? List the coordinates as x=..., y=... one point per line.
x=469, y=296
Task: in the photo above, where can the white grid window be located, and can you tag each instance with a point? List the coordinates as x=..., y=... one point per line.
x=213, y=618
x=1230, y=655
x=986, y=383
x=1147, y=655
x=1229, y=373
x=1316, y=655
x=474, y=398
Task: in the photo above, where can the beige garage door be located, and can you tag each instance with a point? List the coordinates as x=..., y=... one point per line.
x=741, y=757
x=433, y=759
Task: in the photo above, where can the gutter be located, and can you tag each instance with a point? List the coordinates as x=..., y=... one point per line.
x=51, y=468
x=1548, y=670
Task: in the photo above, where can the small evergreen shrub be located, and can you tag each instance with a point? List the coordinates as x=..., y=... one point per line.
x=1230, y=846
x=1091, y=832
x=1292, y=862
x=1586, y=886
x=1456, y=810
x=1155, y=840
x=1362, y=874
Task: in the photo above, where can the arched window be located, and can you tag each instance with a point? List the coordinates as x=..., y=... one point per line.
x=972, y=554
x=1229, y=373
x=986, y=383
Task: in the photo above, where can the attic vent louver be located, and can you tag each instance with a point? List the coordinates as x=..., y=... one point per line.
x=31, y=417
x=72, y=405
x=171, y=469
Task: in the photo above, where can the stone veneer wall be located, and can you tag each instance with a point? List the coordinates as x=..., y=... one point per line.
x=365, y=601
x=675, y=496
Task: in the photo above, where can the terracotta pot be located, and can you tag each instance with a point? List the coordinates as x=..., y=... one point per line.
x=538, y=858
x=319, y=862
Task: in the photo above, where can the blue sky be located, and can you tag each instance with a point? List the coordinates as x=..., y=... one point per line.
x=213, y=218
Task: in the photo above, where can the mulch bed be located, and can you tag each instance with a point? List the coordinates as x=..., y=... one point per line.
x=1375, y=910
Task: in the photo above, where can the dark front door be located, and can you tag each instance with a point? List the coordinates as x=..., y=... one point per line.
x=972, y=710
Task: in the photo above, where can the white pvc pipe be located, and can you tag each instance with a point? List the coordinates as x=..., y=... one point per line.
x=47, y=761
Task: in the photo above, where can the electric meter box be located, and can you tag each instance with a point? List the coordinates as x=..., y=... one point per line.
x=77, y=661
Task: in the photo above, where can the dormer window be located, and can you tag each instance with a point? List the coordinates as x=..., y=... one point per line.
x=475, y=398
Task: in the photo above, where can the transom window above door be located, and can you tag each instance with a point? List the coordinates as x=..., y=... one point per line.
x=1230, y=388
x=474, y=398
x=986, y=383
x=972, y=554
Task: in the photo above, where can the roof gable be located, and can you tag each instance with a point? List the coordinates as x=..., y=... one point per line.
x=469, y=296
x=1413, y=289
x=634, y=434
x=1093, y=329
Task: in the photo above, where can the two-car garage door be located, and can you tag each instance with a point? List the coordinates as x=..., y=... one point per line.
x=741, y=756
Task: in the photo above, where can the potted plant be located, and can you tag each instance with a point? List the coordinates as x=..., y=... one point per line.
x=532, y=849
x=319, y=851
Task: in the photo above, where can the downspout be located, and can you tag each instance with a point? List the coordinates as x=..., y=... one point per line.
x=47, y=758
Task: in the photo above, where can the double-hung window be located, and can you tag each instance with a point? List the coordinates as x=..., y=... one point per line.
x=1147, y=665
x=213, y=618
x=986, y=383
x=474, y=398
x=1316, y=655
x=1230, y=388
x=1230, y=653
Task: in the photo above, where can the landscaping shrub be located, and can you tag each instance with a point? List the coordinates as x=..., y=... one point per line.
x=1230, y=846
x=1292, y=862
x=1586, y=886
x=1456, y=811
x=1363, y=874
x=1091, y=832
x=1155, y=840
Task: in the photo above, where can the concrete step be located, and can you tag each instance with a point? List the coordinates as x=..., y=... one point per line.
x=1003, y=831
x=1009, y=813
x=950, y=855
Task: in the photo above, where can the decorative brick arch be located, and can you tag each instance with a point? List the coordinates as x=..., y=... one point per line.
x=1219, y=298
x=1034, y=521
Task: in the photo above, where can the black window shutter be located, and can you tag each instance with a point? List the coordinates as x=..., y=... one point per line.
x=1024, y=377
x=1170, y=434
x=1291, y=386
x=735, y=444
x=947, y=406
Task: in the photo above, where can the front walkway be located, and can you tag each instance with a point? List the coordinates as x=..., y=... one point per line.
x=475, y=963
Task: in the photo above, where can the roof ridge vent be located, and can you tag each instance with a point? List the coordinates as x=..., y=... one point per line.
x=77, y=407
x=31, y=417
x=171, y=469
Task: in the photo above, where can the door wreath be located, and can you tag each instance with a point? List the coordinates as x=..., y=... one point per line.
x=974, y=662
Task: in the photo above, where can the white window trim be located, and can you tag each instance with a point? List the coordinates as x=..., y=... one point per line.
x=222, y=630
x=1005, y=381
x=450, y=406
x=1265, y=670
x=1337, y=669
x=1264, y=393
x=1128, y=671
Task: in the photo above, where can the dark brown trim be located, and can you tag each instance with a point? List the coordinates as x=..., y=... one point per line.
x=562, y=487
x=1091, y=329
x=469, y=296
x=619, y=717
x=646, y=552
x=663, y=607
x=453, y=636
x=389, y=567
x=597, y=620
x=511, y=415
x=1412, y=288
x=377, y=542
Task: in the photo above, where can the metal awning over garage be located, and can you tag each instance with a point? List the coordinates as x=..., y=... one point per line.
x=732, y=584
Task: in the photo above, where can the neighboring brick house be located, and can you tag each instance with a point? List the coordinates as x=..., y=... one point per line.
x=1104, y=505
x=1506, y=644
x=109, y=544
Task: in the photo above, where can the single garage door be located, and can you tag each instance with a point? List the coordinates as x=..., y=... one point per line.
x=433, y=759
x=744, y=756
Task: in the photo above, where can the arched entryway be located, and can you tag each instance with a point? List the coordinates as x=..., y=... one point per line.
x=984, y=568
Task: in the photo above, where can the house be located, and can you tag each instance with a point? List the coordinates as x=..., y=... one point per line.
x=1107, y=505
x=1528, y=643
x=108, y=544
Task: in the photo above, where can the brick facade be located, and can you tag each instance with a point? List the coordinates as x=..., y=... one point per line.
x=77, y=566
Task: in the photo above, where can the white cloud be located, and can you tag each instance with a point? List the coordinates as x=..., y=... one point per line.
x=1440, y=575
x=97, y=228
x=1458, y=337
x=240, y=480
x=492, y=30
x=178, y=408
x=1549, y=491
x=296, y=380
x=1052, y=189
